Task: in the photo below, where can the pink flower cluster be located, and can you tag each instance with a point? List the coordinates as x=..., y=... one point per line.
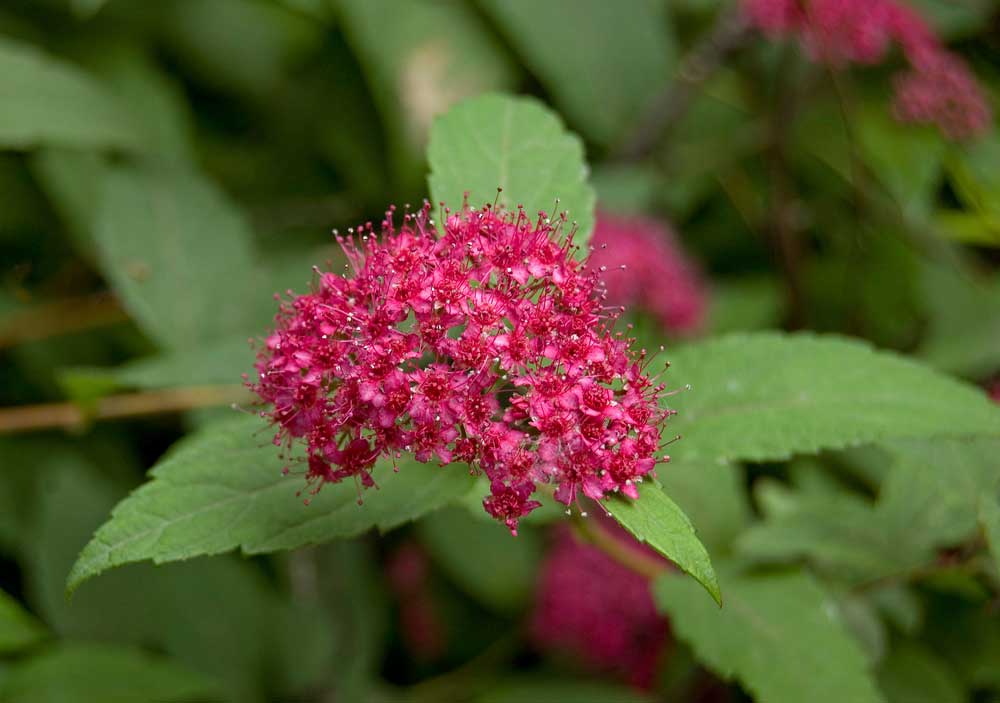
x=593, y=608
x=408, y=572
x=641, y=264
x=937, y=88
x=487, y=344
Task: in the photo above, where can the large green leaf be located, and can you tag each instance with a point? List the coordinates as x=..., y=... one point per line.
x=179, y=255
x=18, y=629
x=767, y=396
x=913, y=673
x=93, y=672
x=516, y=144
x=989, y=518
x=779, y=635
x=223, y=489
x=49, y=102
x=602, y=62
x=657, y=521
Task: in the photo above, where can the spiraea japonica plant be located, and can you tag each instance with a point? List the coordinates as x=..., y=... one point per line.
x=675, y=381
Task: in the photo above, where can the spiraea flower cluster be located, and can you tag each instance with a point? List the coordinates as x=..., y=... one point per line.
x=937, y=87
x=636, y=256
x=486, y=344
x=598, y=611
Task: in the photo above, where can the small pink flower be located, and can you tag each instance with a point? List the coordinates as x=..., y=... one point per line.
x=593, y=608
x=641, y=265
x=487, y=344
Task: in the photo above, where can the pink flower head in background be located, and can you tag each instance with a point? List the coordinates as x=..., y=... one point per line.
x=487, y=344
x=593, y=608
x=938, y=87
x=993, y=390
x=408, y=572
x=642, y=265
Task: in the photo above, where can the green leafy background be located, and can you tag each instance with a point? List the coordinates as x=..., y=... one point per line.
x=167, y=167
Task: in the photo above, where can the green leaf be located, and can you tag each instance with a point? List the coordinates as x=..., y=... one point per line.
x=179, y=255
x=779, y=635
x=602, y=62
x=713, y=497
x=913, y=673
x=18, y=629
x=657, y=521
x=46, y=101
x=461, y=544
x=989, y=518
x=516, y=144
x=220, y=489
x=744, y=304
x=95, y=672
x=766, y=396
x=963, y=330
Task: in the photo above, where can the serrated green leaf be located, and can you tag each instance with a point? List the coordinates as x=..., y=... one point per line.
x=779, y=635
x=95, y=672
x=767, y=396
x=50, y=102
x=18, y=629
x=179, y=255
x=657, y=521
x=220, y=490
x=602, y=62
x=713, y=496
x=461, y=544
x=516, y=144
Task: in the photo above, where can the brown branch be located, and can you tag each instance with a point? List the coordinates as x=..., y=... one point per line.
x=728, y=34
x=58, y=317
x=45, y=416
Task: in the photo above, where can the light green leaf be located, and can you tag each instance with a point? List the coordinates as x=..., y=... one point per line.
x=516, y=144
x=780, y=635
x=602, y=62
x=767, y=396
x=179, y=255
x=18, y=629
x=95, y=672
x=72, y=179
x=744, y=304
x=657, y=521
x=712, y=495
x=222, y=488
x=46, y=101
x=453, y=535
x=989, y=518
x=913, y=673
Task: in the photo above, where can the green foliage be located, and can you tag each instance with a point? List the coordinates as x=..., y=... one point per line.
x=767, y=396
x=601, y=62
x=504, y=577
x=86, y=673
x=47, y=102
x=779, y=635
x=559, y=691
x=657, y=521
x=18, y=630
x=517, y=144
x=914, y=674
x=223, y=489
x=989, y=518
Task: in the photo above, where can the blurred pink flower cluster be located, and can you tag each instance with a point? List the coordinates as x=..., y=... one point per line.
x=487, y=344
x=642, y=265
x=936, y=88
x=591, y=607
x=422, y=630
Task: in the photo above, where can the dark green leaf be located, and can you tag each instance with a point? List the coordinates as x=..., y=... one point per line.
x=18, y=629
x=767, y=396
x=781, y=636
x=93, y=672
x=657, y=521
x=915, y=674
x=223, y=489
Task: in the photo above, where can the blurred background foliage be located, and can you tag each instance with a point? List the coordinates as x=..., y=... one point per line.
x=167, y=166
